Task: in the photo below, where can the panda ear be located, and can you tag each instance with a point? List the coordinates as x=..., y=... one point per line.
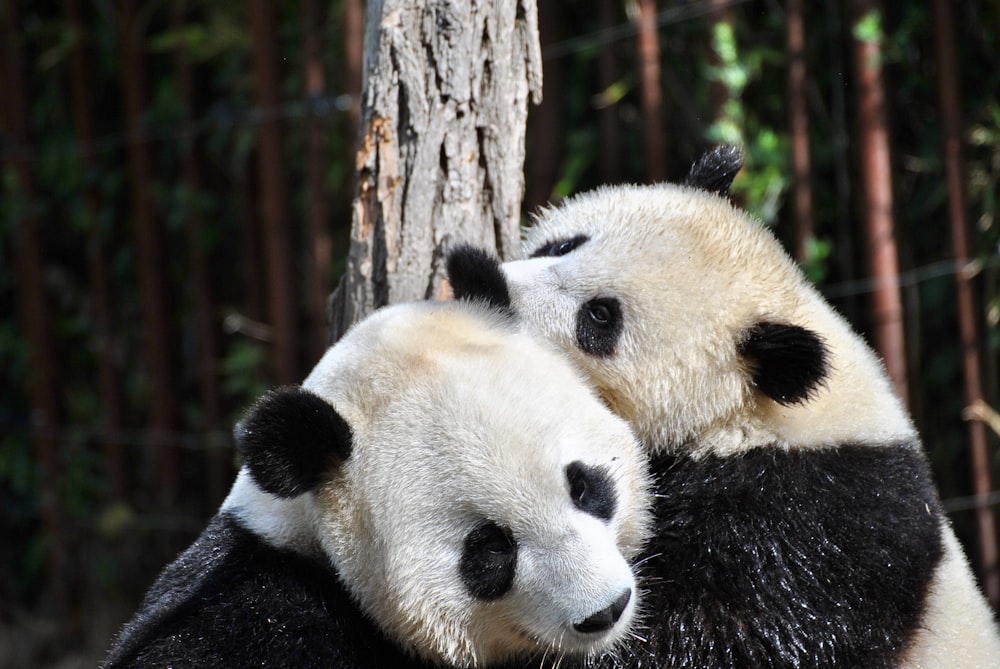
x=787, y=362
x=716, y=169
x=290, y=438
x=475, y=275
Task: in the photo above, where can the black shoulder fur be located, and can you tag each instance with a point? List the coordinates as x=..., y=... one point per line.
x=788, y=559
x=232, y=601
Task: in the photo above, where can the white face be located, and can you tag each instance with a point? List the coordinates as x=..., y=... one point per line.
x=491, y=504
x=651, y=290
x=641, y=253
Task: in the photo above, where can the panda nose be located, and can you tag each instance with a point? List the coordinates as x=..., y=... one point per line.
x=605, y=619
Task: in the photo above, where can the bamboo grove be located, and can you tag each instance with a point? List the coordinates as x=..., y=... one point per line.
x=177, y=180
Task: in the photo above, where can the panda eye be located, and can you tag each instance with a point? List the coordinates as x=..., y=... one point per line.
x=489, y=561
x=559, y=247
x=599, y=326
x=591, y=490
x=599, y=313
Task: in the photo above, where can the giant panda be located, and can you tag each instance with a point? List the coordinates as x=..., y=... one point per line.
x=409, y=505
x=796, y=523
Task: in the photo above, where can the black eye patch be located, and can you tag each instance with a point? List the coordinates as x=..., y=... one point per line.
x=599, y=326
x=560, y=247
x=489, y=560
x=592, y=490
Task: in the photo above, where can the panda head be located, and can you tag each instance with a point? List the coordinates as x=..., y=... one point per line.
x=474, y=496
x=690, y=319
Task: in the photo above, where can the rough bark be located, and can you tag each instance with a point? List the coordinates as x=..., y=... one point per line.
x=109, y=385
x=319, y=241
x=441, y=149
x=876, y=179
x=35, y=319
x=798, y=117
x=652, y=91
x=150, y=237
x=951, y=114
x=281, y=296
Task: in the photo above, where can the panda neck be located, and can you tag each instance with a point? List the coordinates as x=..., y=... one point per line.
x=280, y=522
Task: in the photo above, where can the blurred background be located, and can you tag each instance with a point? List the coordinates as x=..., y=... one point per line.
x=141, y=142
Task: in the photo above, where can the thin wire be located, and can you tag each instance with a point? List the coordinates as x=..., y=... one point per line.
x=221, y=117
x=910, y=277
x=605, y=36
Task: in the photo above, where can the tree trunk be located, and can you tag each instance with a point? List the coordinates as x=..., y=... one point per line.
x=544, y=153
x=149, y=235
x=281, y=294
x=607, y=74
x=719, y=16
x=35, y=319
x=843, y=227
x=876, y=178
x=652, y=91
x=317, y=223
x=109, y=386
x=218, y=474
x=354, y=30
x=441, y=151
x=798, y=116
x=951, y=114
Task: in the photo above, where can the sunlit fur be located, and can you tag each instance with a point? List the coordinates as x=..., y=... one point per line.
x=457, y=418
x=693, y=273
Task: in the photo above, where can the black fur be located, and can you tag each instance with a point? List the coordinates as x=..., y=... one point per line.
x=475, y=274
x=787, y=362
x=560, y=247
x=788, y=559
x=716, y=169
x=599, y=326
x=592, y=490
x=232, y=601
x=290, y=439
x=489, y=561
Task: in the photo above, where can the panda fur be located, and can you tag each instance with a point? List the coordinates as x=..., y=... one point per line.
x=410, y=505
x=796, y=523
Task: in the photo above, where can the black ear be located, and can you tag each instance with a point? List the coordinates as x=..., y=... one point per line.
x=716, y=170
x=788, y=362
x=475, y=274
x=290, y=438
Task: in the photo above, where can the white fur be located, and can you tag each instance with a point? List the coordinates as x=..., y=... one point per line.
x=457, y=418
x=693, y=273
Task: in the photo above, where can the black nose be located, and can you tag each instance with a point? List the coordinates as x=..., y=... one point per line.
x=605, y=619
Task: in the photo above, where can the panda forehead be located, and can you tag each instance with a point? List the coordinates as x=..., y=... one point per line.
x=630, y=209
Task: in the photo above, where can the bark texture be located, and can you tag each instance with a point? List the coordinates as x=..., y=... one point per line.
x=441, y=149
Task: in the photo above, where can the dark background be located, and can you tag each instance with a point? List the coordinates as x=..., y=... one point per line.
x=133, y=313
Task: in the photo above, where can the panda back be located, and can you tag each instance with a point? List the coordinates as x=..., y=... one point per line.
x=233, y=600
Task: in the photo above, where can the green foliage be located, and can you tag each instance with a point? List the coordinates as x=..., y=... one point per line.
x=748, y=64
x=243, y=376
